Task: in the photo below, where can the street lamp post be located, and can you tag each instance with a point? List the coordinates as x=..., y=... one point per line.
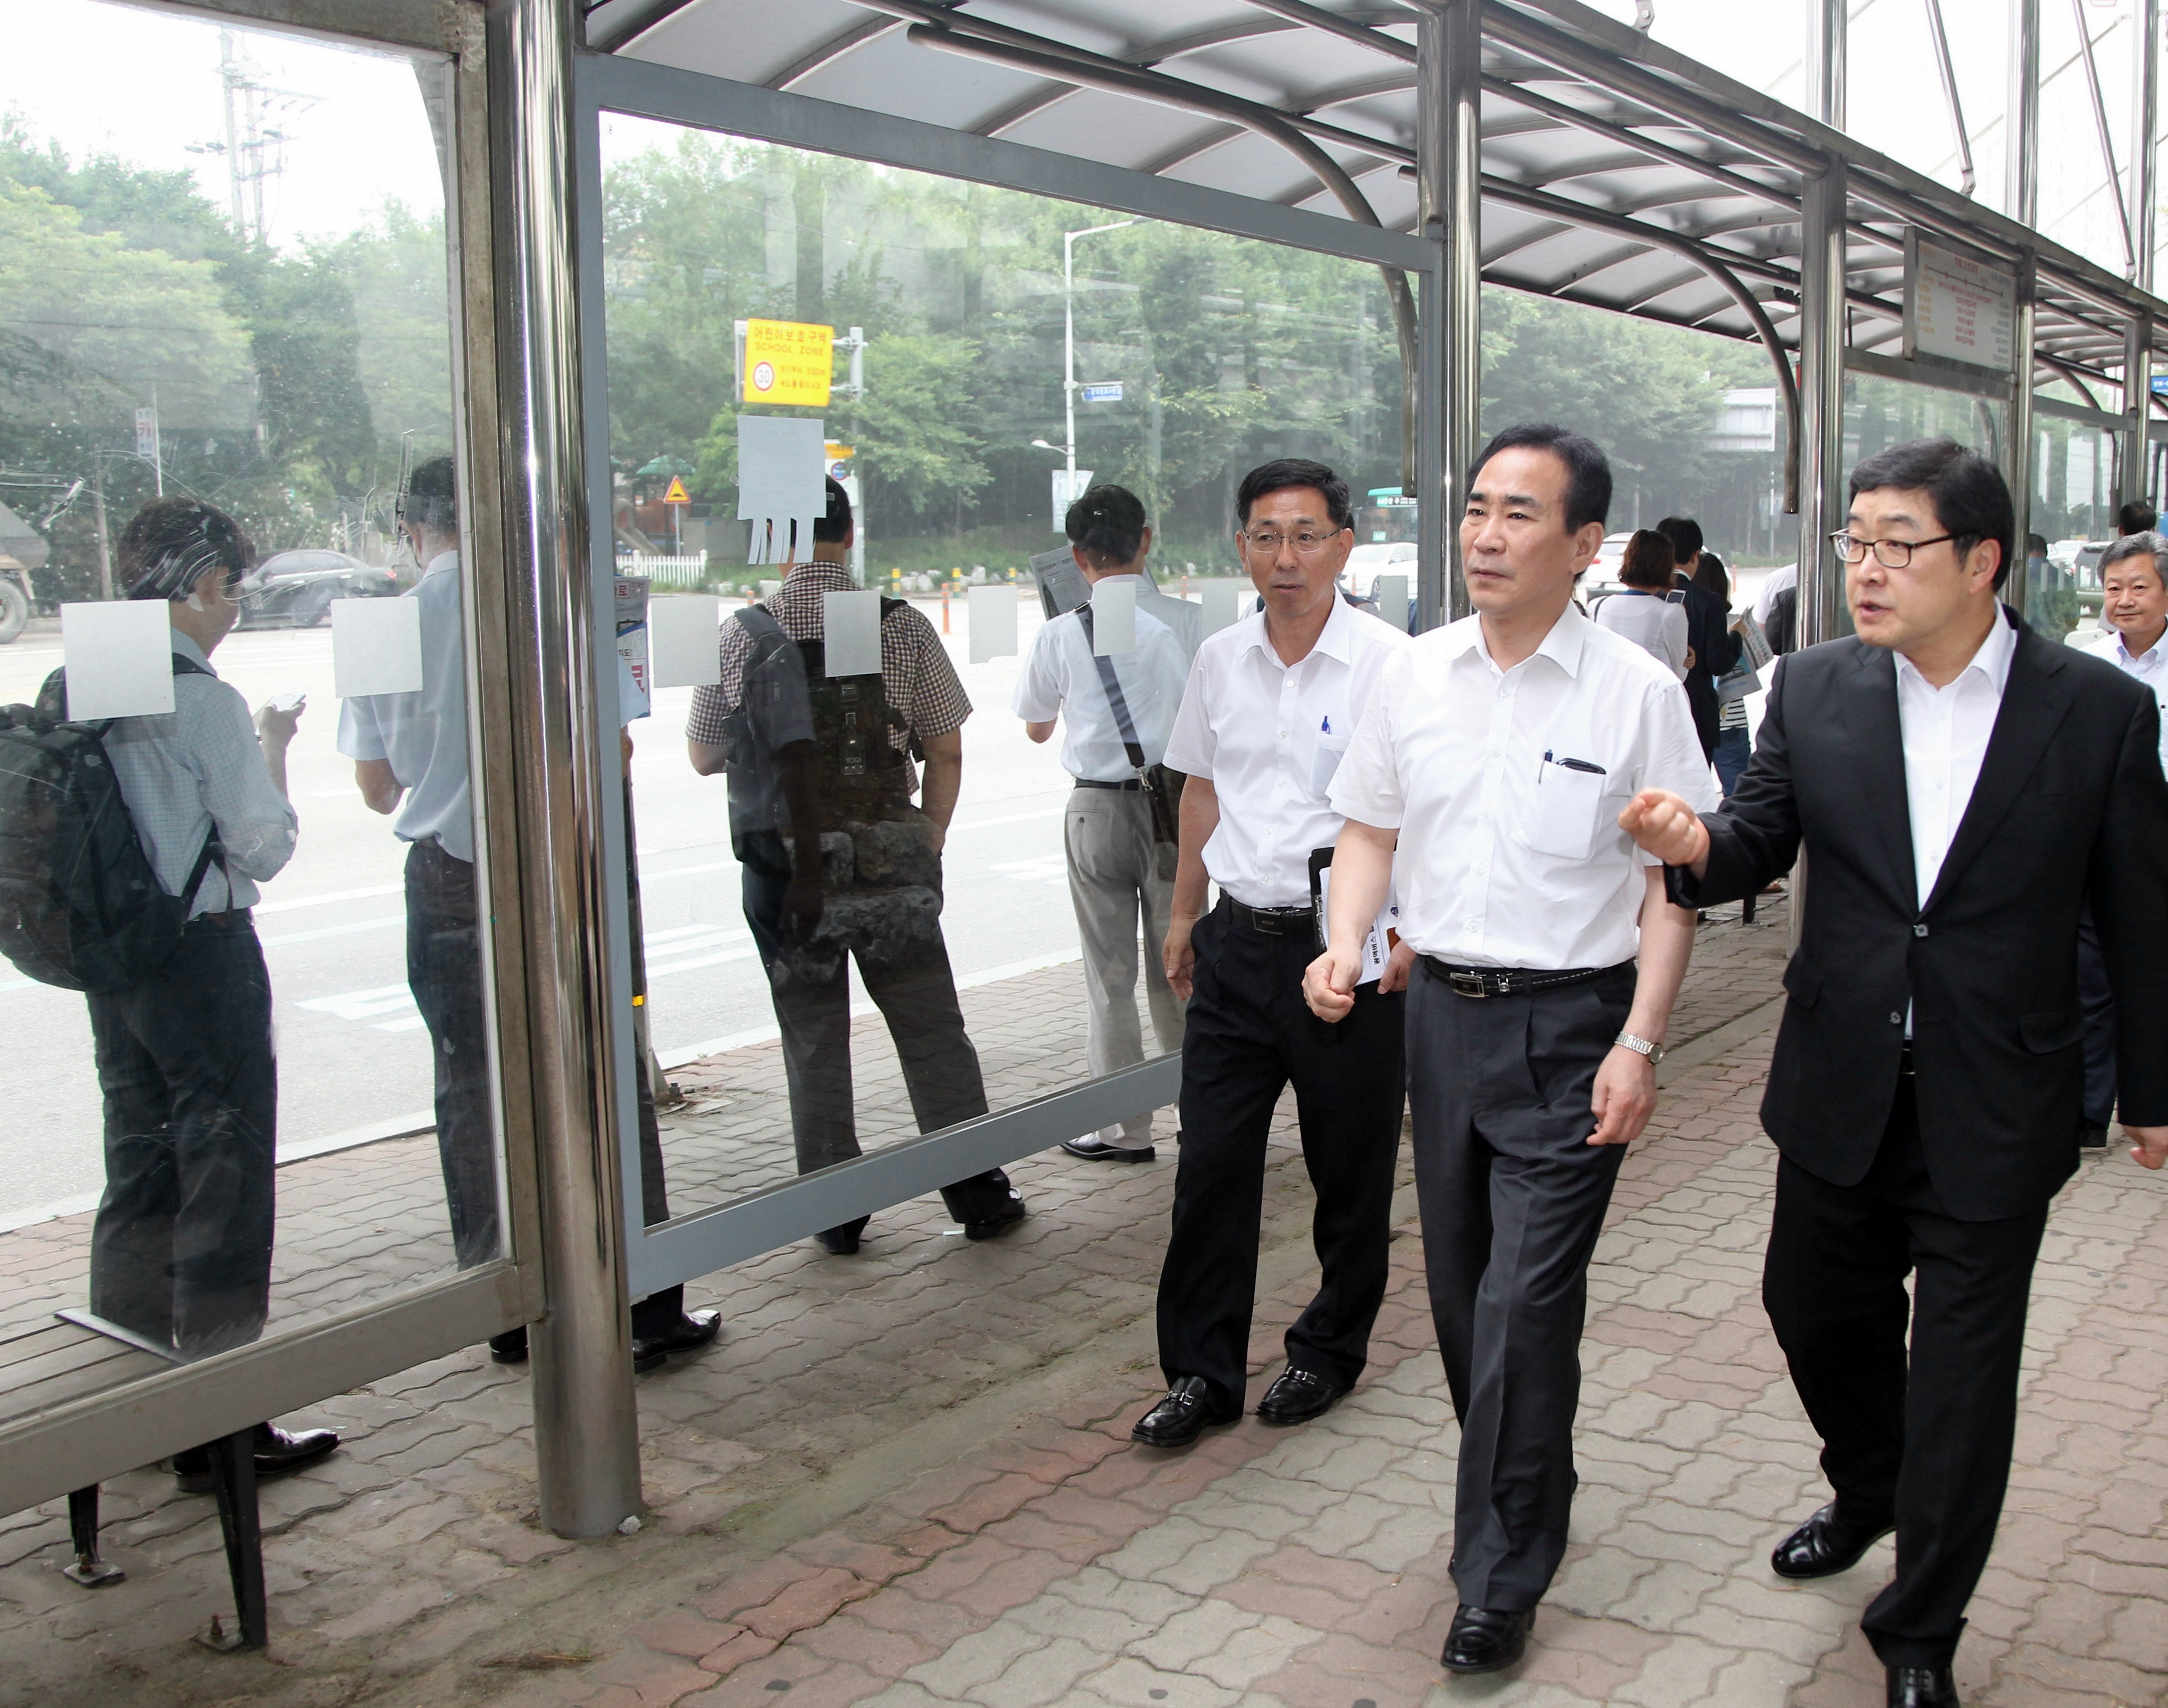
x=1069, y=340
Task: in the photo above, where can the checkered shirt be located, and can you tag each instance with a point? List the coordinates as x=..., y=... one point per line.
x=916, y=674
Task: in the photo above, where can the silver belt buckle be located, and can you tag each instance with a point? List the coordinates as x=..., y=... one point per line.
x=1467, y=984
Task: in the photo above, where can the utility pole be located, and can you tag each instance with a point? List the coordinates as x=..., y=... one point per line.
x=1069, y=343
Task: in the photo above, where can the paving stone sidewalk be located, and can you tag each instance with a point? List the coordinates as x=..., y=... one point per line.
x=906, y=1480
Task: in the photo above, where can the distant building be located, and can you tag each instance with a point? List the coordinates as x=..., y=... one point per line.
x=1749, y=421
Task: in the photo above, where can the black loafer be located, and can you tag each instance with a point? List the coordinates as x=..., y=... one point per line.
x=2091, y=1137
x=277, y=1454
x=1093, y=1149
x=1825, y=1546
x=509, y=1347
x=1296, y=1396
x=841, y=1241
x=1922, y=1687
x=1485, y=1640
x=1187, y=1412
x=993, y=1226
x=693, y=1330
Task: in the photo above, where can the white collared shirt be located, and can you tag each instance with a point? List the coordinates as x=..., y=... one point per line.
x=1062, y=678
x=1946, y=732
x=424, y=734
x=1269, y=737
x=1505, y=786
x=199, y=769
x=2149, y=667
x=1186, y=617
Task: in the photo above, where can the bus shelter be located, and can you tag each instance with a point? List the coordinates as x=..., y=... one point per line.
x=1385, y=163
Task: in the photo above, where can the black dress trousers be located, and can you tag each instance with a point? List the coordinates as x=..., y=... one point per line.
x=1512, y=1197
x=1249, y=1033
x=1924, y=1439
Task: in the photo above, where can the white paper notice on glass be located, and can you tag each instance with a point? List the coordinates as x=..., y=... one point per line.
x=993, y=613
x=783, y=465
x=376, y=647
x=118, y=659
x=850, y=634
x=1393, y=600
x=1223, y=602
x=1113, y=618
x=684, y=642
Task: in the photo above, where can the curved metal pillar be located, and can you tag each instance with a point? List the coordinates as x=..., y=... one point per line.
x=1822, y=613
x=1448, y=149
x=586, y=1425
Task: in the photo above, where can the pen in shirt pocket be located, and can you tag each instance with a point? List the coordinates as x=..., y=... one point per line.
x=1574, y=764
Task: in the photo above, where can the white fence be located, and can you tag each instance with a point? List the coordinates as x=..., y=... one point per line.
x=687, y=570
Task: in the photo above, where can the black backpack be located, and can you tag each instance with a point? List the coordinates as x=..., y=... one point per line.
x=80, y=905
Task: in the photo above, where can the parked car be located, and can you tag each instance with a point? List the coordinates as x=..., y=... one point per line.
x=292, y=590
x=1373, y=558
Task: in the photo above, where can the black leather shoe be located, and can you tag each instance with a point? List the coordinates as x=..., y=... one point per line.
x=1094, y=1149
x=277, y=1454
x=1187, y=1412
x=693, y=1330
x=1484, y=1640
x=1825, y=1546
x=509, y=1347
x=1922, y=1687
x=1296, y=1396
x=2091, y=1137
x=993, y=1226
x=842, y=1241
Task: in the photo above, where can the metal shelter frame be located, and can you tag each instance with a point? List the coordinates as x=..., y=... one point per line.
x=1530, y=144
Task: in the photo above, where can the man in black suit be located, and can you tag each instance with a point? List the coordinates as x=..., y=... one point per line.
x=1959, y=786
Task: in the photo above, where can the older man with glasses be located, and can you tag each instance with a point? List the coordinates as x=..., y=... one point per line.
x=1271, y=704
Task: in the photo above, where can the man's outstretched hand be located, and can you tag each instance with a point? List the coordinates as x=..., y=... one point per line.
x=2148, y=1146
x=1665, y=825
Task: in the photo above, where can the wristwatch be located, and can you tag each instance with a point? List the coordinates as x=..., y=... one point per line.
x=1641, y=1047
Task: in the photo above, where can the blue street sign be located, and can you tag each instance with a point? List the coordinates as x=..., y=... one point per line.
x=2160, y=384
x=1103, y=394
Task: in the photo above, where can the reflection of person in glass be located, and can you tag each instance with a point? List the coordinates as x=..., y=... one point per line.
x=181, y=1250
x=1118, y=709
x=837, y=861
x=410, y=754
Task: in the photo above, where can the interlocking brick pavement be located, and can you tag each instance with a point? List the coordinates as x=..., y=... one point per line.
x=906, y=1480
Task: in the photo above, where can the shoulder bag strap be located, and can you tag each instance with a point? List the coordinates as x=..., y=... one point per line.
x=1123, y=722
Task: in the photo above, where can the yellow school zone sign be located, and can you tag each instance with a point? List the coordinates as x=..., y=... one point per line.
x=788, y=361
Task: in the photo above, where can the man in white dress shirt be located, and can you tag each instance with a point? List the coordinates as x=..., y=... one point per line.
x=2134, y=573
x=1497, y=752
x=1120, y=868
x=1271, y=703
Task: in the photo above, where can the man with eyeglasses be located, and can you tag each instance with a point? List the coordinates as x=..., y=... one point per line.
x=1959, y=784
x=1271, y=704
x=1487, y=777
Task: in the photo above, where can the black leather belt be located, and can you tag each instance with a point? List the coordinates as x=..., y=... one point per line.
x=1510, y=981
x=1274, y=921
x=1129, y=784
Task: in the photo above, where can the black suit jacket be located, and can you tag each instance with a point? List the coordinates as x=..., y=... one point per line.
x=1716, y=650
x=2070, y=799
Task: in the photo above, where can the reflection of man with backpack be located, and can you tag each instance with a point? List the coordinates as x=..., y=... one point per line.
x=1120, y=828
x=839, y=863
x=153, y=922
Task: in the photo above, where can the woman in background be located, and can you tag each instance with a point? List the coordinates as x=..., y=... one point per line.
x=1642, y=613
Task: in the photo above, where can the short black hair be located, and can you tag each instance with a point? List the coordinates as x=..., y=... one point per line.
x=1282, y=473
x=1972, y=500
x=832, y=527
x=170, y=543
x=2036, y=542
x=2136, y=516
x=2145, y=542
x=1106, y=524
x=1685, y=535
x=432, y=498
x=1587, y=469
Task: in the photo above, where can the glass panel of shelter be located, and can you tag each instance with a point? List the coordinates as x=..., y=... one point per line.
x=914, y=978
x=227, y=415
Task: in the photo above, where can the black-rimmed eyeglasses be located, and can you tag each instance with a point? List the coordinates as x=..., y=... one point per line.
x=1890, y=554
